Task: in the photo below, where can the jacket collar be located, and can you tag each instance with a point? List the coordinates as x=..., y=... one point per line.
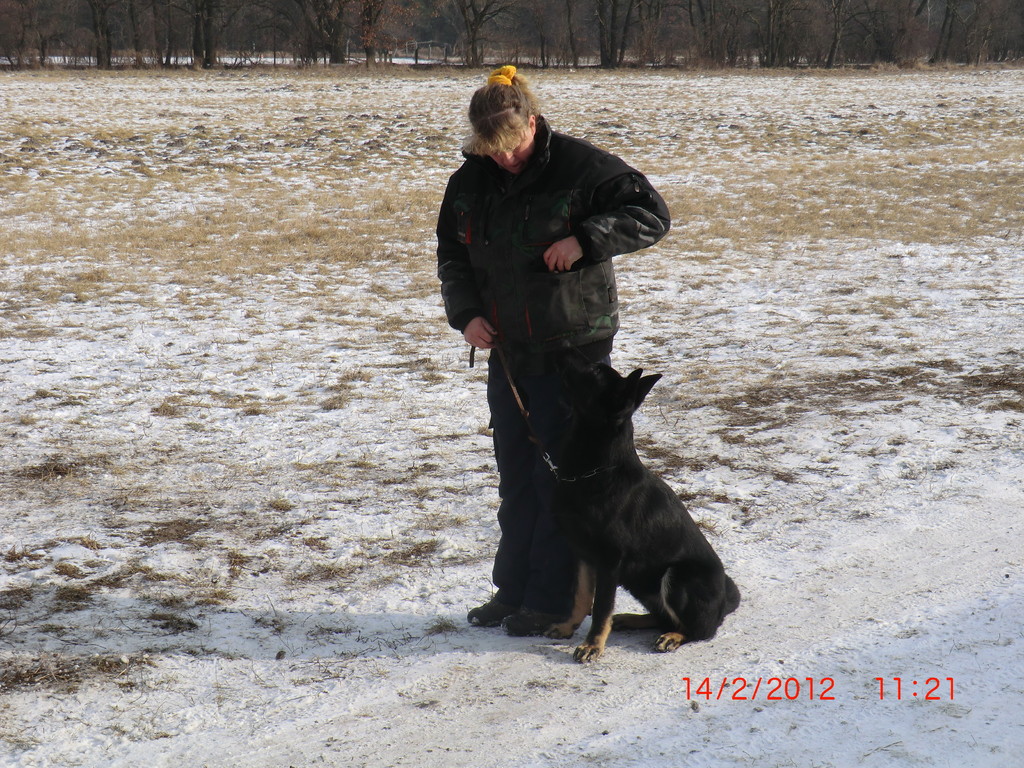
x=542, y=143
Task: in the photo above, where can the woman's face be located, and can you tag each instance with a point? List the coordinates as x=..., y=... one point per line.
x=515, y=161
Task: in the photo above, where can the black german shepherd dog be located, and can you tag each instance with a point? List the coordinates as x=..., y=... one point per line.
x=626, y=525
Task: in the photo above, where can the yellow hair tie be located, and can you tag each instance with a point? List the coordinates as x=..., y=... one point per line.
x=502, y=76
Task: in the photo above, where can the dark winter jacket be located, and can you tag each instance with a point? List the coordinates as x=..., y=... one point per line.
x=494, y=227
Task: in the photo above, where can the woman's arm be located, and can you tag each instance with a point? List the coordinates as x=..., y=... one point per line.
x=462, y=300
x=629, y=214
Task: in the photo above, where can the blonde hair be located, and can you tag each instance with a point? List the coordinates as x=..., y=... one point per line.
x=499, y=113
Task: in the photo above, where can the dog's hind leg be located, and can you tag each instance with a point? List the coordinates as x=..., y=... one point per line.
x=672, y=601
x=695, y=598
x=669, y=642
x=583, y=602
x=601, y=624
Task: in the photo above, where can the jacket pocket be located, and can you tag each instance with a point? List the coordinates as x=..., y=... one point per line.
x=463, y=206
x=547, y=218
x=566, y=304
x=554, y=305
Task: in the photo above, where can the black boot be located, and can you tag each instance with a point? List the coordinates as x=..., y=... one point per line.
x=490, y=614
x=527, y=623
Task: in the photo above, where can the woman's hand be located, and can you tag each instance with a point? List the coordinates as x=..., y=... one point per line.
x=480, y=333
x=561, y=255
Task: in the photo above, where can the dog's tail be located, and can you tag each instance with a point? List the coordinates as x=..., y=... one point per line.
x=732, y=595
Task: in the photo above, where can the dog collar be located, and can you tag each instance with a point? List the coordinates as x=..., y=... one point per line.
x=584, y=476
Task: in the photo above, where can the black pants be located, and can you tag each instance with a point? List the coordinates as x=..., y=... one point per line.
x=533, y=567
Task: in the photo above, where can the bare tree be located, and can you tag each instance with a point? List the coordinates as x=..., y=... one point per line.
x=654, y=24
x=325, y=21
x=100, y=12
x=204, y=43
x=570, y=23
x=163, y=30
x=17, y=28
x=551, y=32
x=538, y=20
x=892, y=30
x=614, y=18
x=136, y=19
x=706, y=19
x=371, y=17
x=983, y=21
x=838, y=16
x=779, y=33
x=52, y=22
x=1007, y=30
x=475, y=15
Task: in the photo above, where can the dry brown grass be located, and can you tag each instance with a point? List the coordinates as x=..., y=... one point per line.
x=15, y=597
x=230, y=183
x=922, y=198
x=61, y=672
x=221, y=195
x=58, y=467
x=172, y=531
x=771, y=404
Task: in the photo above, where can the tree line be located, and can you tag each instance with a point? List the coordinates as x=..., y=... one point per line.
x=548, y=33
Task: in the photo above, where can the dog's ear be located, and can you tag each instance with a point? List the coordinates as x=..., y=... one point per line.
x=639, y=386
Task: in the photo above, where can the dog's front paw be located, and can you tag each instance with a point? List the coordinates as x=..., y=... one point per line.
x=588, y=652
x=669, y=642
x=561, y=631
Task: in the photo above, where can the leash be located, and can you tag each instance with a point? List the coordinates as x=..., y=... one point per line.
x=544, y=453
x=533, y=437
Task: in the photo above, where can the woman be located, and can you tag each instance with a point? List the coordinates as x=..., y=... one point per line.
x=525, y=237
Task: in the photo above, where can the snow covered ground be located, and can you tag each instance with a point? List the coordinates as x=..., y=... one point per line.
x=247, y=491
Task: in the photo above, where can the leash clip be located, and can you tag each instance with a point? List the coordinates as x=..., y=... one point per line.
x=551, y=464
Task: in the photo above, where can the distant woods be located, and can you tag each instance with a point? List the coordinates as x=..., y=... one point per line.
x=548, y=33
